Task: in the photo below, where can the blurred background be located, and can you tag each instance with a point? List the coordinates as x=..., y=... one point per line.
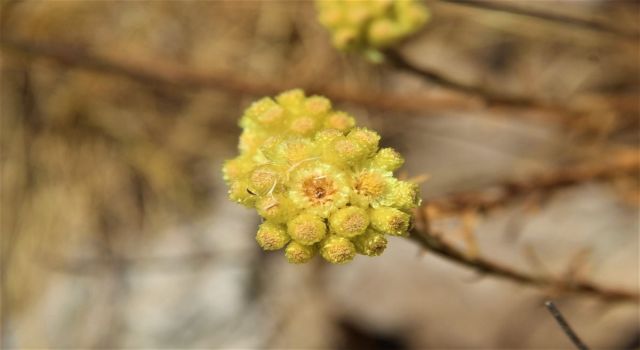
x=116, y=232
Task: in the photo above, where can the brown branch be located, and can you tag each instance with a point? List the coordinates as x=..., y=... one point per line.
x=569, y=117
x=547, y=16
x=488, y=96
x=434, y=243
x=178, y=76
x=619, y=163
x=614, y=165
x=174, y=75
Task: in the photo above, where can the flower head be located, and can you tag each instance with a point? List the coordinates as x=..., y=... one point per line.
x=320, y=183
x=370, y=25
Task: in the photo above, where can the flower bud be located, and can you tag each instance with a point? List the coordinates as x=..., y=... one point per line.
x=238, y=192
x=253, y=113
x=387, y=159
x=390, y=221
x=325, y=137
x=368, y=139
x=368, y=26
x=331, y=17
x=237, y=168
x=384, y=32
x=307, y=229
x=250, y=141
x=371, y=243
x=297, y=253
x=272, y=117
x=411, y=15
x=304, y=125
x=275, y=208
x=345, y=38
x=317, y=105
x=358, y=13
x=265, y=179
x=337, y=250
x=340, y=121
x=292, y=100
x=371, y=188
x=349, y=222
x=344, y=152
x=404, y=195
x=272, y=236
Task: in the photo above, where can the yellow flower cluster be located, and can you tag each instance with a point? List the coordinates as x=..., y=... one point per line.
x=370, y=25
x=321, y=183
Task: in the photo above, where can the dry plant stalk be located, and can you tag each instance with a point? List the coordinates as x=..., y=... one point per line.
x=621, y=163
x=156, y=73
x=624, y=162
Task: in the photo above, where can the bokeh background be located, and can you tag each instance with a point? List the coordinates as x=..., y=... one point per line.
x=117, y=115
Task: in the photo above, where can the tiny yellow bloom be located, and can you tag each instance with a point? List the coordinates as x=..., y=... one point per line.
x=371, y=243
x=319, y=188
x=390, y=221
x=297, y=253
x=337, y=250
x=349, y=222
x=272, y=236
x=387, y=159
x=277, y=208
x=307, y=229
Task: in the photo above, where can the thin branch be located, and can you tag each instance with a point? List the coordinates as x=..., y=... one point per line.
x=434, y=243
x=173, y=75
x=399, y=61
x=491, y=98
x=620, y=163
x=613, y=165
x=565, y=325
x=548, y=16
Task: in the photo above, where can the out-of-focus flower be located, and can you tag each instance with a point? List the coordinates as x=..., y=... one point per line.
x=370, y=25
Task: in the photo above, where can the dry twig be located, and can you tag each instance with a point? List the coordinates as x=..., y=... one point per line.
x=173, y=75
x=614, y=165
x=434, y=243
x=515, y=8
x=491, y=98
x=618, y=164
x=565, y=325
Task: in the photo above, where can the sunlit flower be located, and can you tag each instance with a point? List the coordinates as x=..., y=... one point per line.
x=372, y=187
x=320, y=183
x=320, y=188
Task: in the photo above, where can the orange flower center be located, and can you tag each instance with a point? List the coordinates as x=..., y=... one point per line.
x=318, y=189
